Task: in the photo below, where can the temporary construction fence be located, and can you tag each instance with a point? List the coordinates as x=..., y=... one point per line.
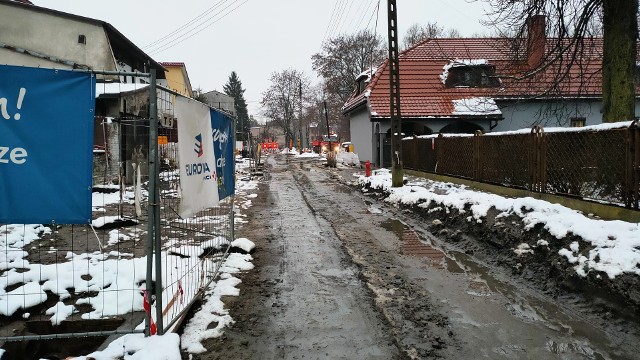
x=137, y=266
x=599, y=163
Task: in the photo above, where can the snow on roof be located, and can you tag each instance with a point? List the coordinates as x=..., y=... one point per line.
x=459, y=63
x=367, y=73
x=117, y=88
x=475, y=106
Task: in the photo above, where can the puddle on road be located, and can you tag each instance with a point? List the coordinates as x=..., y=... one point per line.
x=482, y=284
x=413, y=246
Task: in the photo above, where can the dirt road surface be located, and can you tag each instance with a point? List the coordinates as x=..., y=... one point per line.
x=340, y=275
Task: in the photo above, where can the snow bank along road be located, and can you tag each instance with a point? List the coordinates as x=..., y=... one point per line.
x=341, y=275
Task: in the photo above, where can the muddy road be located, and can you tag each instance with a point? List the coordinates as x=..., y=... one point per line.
x=340, y=275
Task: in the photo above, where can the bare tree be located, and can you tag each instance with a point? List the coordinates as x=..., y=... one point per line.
x=417, y=33
x=572, y=25
x=284, y=100
x=344, y=57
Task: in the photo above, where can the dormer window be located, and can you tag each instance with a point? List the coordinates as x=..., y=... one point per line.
x=469, y=73
x=363, y=80
x=362, y=84
x=472, y=76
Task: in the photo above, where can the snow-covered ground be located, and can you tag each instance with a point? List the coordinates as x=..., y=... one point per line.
x=616, y=244
x=117, y=278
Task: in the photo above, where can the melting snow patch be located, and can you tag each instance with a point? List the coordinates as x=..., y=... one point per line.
x=615, y=244
x=136, y=346
x=543, y=243
x=522, y=249
x=244, y=244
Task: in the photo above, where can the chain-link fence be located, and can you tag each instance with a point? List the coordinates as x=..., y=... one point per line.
x=105, y=278
x=598, y=163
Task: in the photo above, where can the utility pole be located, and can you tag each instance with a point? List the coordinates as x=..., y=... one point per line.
x=300, y=117
x=394, y=97
x=331, y=161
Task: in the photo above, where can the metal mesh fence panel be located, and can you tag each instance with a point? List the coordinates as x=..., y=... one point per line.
x=193, y=248
x=592, y=165
x=589, y=164
x=455, y=156
x=60, y=280
x=505, y=159
x=420, y=154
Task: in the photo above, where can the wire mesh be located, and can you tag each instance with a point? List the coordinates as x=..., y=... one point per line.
x=59, y=280
x=505, y=160
x=193, y=248
x=455, y=156
x=588, y=164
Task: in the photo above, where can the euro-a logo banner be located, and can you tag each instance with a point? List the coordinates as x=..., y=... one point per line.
x=198, y=179
x=46, y=145
x=222, y=127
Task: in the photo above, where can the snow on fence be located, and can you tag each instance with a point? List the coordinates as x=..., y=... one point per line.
x=598, y=163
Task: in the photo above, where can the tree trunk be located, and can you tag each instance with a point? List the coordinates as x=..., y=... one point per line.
x=619, y=60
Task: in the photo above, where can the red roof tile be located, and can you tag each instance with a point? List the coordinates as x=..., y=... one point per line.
x=423, y=93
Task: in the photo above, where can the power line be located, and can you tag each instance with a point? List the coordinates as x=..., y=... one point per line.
x=339, y=18
x=376, y=13
x=363, y=11
x=206, y=23
x=184, y=37
x=335, y=5
x=346, y=17
x=336, y=19
x=200, y=16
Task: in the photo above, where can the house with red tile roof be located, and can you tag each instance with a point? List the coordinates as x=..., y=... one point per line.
x=461, y=85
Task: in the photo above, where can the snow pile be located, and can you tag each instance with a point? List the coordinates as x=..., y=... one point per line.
x=293, y=151
x=475, y=106
x=138, y=347
x=213, y=310
x=244, y=244
x=308, y=155
x=616, y=244
x=348, y=158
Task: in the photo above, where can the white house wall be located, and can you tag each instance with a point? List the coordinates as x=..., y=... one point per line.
x=52, y=36
x=361, y=131
x=525, y=115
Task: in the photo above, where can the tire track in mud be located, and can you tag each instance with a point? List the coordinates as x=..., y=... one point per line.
x=418, y=327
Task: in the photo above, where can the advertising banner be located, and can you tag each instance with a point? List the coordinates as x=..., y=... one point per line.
x=222, y=127
x=198, y=179
x=46, y=145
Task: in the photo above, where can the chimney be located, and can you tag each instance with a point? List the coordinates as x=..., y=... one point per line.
x=536, y=39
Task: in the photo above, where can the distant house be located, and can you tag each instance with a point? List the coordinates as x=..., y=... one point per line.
x=467, y=84
x=177, y=78
x=221, y=101
x=40, y=37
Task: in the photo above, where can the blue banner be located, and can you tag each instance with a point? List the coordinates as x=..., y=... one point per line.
x=46, y=145
x=222, y=127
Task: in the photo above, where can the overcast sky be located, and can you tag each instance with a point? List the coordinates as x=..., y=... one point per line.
x=257, y=37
